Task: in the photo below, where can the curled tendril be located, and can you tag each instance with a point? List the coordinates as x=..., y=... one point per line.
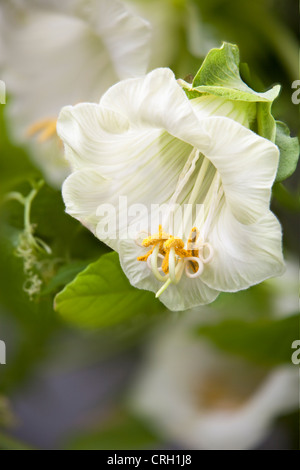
x=30, y=247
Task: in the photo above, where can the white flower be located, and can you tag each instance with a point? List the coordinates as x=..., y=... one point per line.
x=59, y=53
x=203, y=398
x=167, y=20
x=175, y=23
x=147, y=141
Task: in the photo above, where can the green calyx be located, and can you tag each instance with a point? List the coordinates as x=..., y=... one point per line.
x=219, y=86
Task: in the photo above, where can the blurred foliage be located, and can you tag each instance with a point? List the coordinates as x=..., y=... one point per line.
x=266, y=32
x=121, y=431
x=265, y=342
x=9, y=443
x=6, y=415
x=73, y=248
x=273, y=55
x=255, y=302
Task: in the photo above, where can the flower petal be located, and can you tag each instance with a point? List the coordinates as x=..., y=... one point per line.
x=244, y=255
x=247, y=165
x=121, y=167
x=246, y=428
x=82, y=193
x=126, y=36
x=155, y=100
x=96, y=43
x=186, y=294
x=210, y=105
x=246, y=162
x=83, y=129
x=130, y=119
x=52, y=163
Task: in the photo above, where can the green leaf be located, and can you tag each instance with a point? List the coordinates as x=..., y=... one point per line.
x=65, y=275
x=265, y=123
x=101, y=296
x=238, y=95
x=266, y=342
x=121, y=433
x=221, y=68
x=220, y=77
x=289, y=151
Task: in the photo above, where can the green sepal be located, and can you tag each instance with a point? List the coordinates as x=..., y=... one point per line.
x=219, y=76
x=289, y=151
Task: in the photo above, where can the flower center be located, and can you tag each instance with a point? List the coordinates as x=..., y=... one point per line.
x=46, y=128
x=176, y=258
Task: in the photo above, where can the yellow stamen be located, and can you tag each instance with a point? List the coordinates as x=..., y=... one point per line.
x=146, y=256
x=154, y=239
x=194, y=235
x=46, y=128
x=166, y=242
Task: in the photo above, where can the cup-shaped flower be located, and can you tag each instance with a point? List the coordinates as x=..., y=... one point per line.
x=201, y=397
x=147, y=144
x=64, y=52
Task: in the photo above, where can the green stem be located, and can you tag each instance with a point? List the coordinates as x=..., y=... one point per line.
x=14, y=196
x=28, y=202
x=163, y=288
